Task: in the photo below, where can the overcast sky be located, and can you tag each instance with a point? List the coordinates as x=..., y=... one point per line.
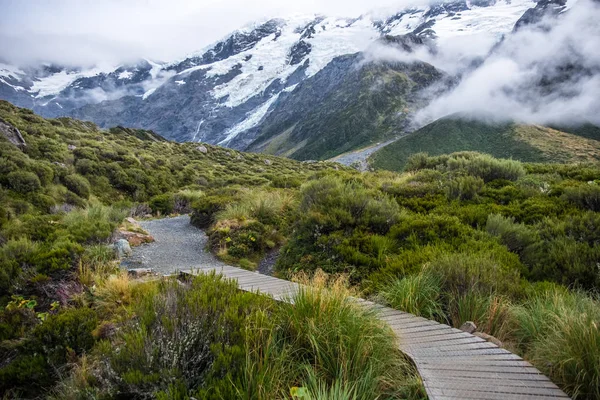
x=93, y=31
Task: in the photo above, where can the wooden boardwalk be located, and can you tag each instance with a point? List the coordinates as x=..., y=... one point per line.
x=453, y=364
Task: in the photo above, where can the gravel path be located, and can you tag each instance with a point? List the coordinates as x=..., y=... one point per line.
x=359, y=157
x=179, y=245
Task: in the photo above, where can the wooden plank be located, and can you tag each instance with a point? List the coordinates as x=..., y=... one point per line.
x=459, y=394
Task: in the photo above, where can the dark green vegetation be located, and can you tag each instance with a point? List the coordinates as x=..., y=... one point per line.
x=63, y=195
x=512, y=246
x=530, y=143
x=460, y=237
x=337, y=111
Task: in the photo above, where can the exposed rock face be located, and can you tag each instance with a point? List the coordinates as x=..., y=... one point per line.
x=542, y=9
x=12, y=134
x=322, y=117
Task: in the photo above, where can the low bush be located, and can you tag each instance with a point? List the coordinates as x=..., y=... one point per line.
x=78, y=185
x=43, y=358
x=162, y=204
x=24, y=181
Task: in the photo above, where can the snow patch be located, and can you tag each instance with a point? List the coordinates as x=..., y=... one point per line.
x=148, y=93
x=180, y=82
x=254, y=118
x=55, y=83
x=125, y=75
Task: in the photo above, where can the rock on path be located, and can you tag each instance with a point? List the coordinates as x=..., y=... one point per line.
x=178, y=246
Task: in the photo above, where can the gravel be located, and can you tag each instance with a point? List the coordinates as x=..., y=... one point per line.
x=178, y=246
x=359, y=157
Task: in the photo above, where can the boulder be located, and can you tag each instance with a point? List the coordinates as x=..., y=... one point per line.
x=131, y=220
x=268, y=162
x=122, y=248
x=202, y=149
x=488, y=338
x=135, y=238
x=139, y=272
x=71, y=147
x=468, y=327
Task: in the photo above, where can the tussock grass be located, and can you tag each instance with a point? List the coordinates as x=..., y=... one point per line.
x=328, y=344
x=418, y=294
x=559, y=332
x=264, y=206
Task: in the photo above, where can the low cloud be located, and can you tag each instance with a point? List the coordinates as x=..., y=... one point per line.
x=542, y=75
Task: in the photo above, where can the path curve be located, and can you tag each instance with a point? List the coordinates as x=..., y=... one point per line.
x=178, y=246
x=453, y=364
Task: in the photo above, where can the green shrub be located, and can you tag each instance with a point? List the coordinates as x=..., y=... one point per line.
x=517, y=237
x=418, y=229
x=162, y=204
x=23, y=181
x=52, y=344
x=475, y=272
x=94, y=224
x=205, y=209
x=586, y=196
x=16, y=256
x=464, y=187
x=486, y=167
x=78, y=185
x=189, y=335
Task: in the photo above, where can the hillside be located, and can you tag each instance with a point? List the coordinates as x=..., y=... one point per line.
x=346, y=106
x=72, y=323
x=531, y=143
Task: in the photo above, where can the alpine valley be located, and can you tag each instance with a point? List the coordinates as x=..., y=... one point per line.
x=308, y=87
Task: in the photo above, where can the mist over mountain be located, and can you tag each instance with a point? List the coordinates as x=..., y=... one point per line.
x=312, y=87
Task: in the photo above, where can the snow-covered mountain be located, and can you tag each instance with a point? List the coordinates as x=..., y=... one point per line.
x=226, y=93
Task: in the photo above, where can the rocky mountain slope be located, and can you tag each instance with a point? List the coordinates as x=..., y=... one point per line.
x=234, y=92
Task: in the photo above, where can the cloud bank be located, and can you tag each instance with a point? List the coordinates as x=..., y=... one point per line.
x=545, y=74
x=88, y=32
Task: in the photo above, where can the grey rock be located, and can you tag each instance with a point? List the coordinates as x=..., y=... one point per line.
x=12, y=134
x=122, y=248
x=71, y=147
x=468, y=327
x=268, y=162
x=488, y=338
x=139, y=272
x=202, y=149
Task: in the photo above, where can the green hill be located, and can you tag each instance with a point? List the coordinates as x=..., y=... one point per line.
x=531, y=143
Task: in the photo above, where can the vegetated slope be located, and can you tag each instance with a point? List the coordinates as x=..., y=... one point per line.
x=458, y=237
x=67, y=165
x=351, y=103
x=533, y=143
